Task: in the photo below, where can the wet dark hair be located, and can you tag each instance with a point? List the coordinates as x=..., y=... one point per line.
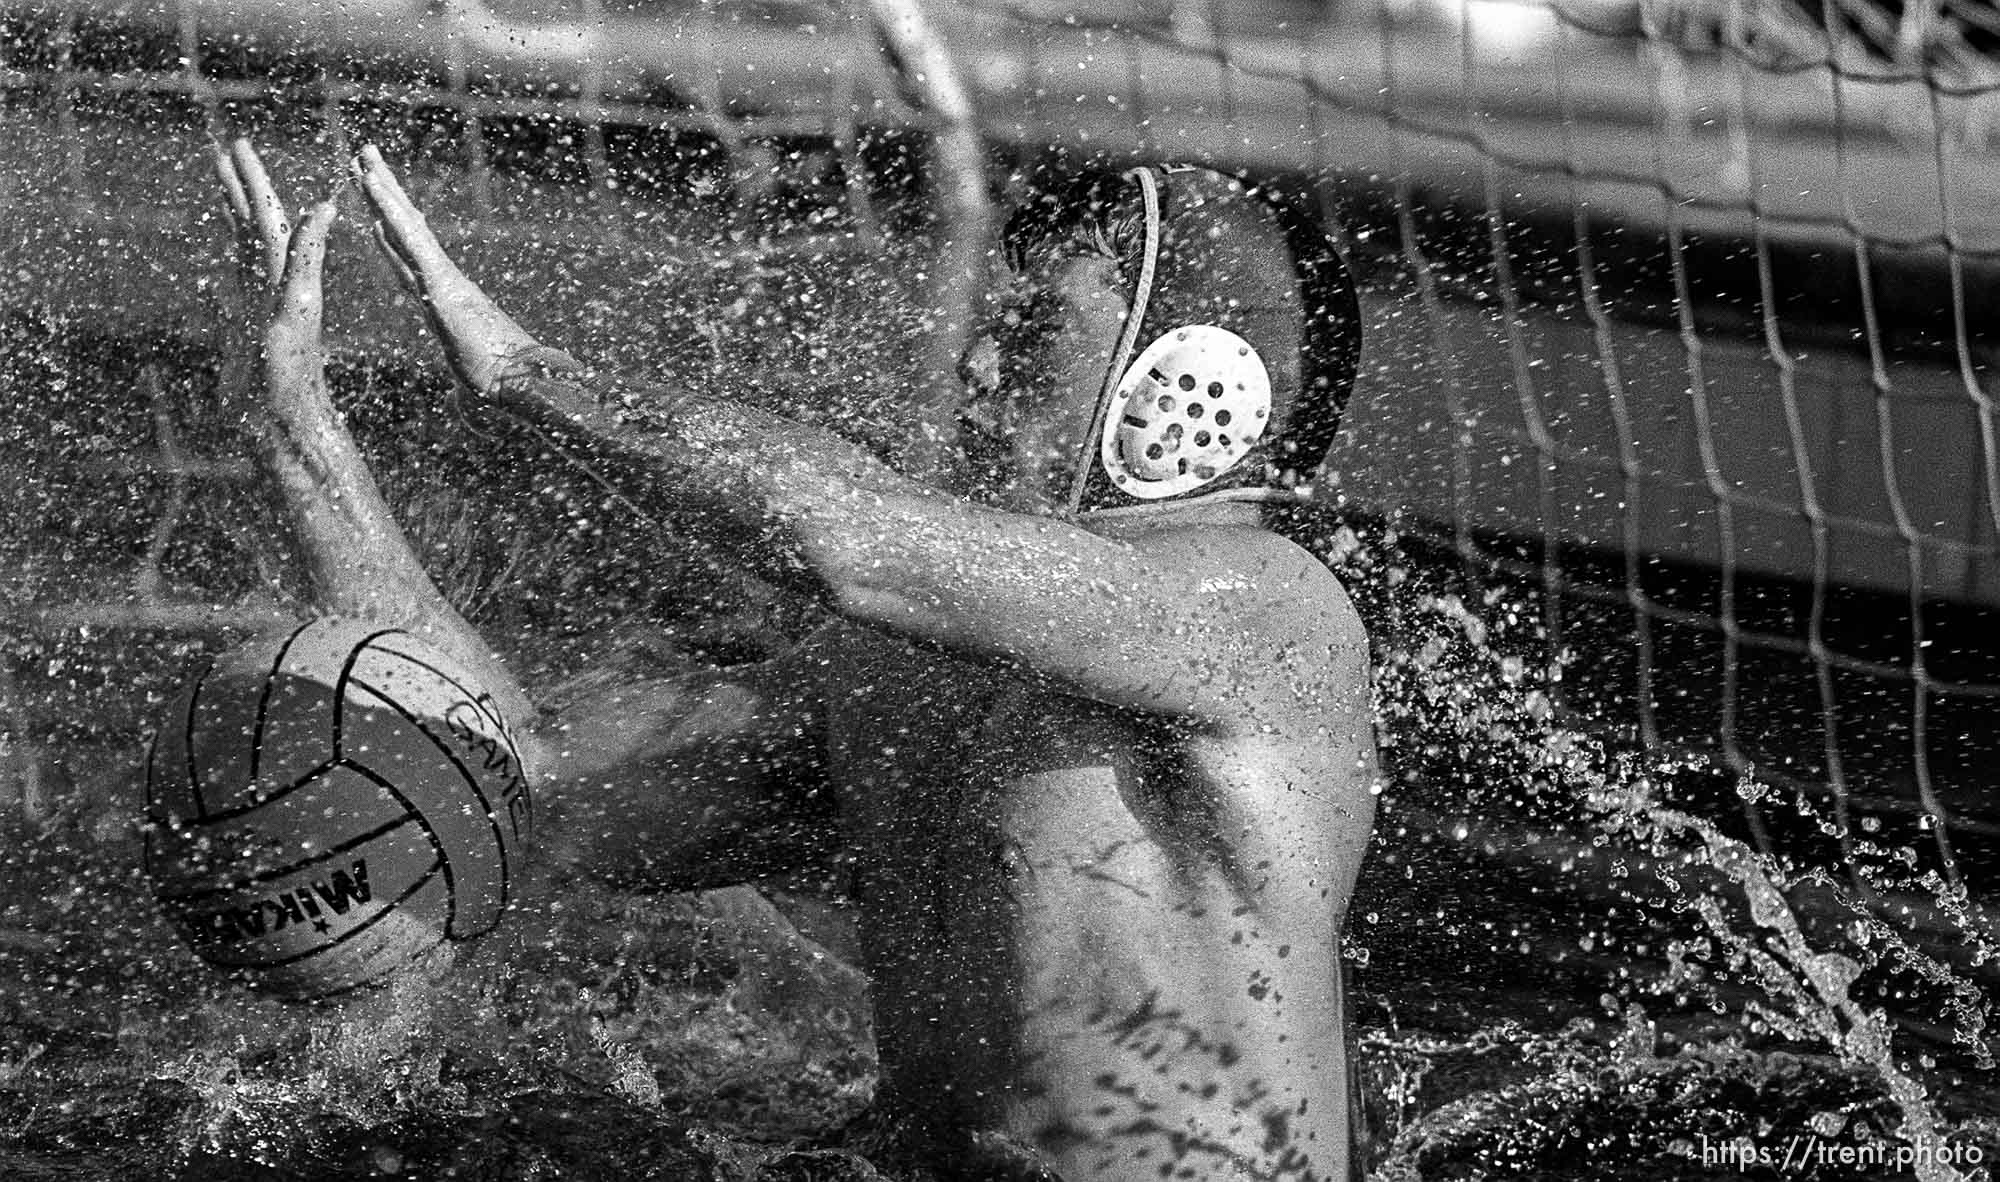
x=1231, y=255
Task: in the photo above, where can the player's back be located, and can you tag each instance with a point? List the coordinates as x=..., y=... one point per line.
x=1108, y=937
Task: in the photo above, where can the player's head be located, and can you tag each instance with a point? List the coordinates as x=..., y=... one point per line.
x=1172, y=336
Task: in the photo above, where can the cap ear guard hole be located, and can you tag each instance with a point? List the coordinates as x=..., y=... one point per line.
x=1222, y=418
x=1215, y=389
x=1194, y=410
x=1187, y=381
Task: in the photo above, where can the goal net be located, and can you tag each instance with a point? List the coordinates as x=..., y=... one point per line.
x=1676, y=312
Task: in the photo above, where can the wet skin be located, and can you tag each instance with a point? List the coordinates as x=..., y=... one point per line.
x=1108, y=785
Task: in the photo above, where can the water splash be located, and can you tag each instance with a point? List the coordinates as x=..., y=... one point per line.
x=1449, y=695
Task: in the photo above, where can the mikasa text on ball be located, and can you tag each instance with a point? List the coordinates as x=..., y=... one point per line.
x=324, y=806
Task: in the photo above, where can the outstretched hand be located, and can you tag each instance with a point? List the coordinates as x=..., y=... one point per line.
x=357, y=557
x=484, y=345
x=255, y=213
x=281, y=266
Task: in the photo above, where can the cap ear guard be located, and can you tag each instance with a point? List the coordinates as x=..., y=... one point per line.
x=1187, y=410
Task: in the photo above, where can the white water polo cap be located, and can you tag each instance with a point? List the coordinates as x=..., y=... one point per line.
x=1187, y=410
x=1233, y=285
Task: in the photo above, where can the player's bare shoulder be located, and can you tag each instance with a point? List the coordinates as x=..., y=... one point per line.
x=1293, y=642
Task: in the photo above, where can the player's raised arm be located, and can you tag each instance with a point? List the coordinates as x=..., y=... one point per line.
x=510, y=373
x=658, y=777
x=359, y=562
x=1117, y=620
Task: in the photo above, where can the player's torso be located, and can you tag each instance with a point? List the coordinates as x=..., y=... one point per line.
x=945, y=772
x=1049, y=917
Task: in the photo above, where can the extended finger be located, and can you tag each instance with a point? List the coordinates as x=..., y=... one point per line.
x=300, y=301
x=407, y=277
x=273, y=232
x=401, y=225
x=236, y=201
x=409, y=280
x=242, y=224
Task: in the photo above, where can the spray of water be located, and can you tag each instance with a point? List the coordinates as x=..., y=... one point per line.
x=1448, y=693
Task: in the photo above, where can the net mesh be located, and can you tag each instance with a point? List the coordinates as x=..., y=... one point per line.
x=1674, y=309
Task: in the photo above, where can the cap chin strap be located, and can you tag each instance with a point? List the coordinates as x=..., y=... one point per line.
x=1255, y=494
x=1128, y=338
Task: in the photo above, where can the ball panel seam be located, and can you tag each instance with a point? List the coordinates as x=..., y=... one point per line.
x=340, y=682
x=472, y=781
x=481, y=703
x=423, y=822
x=309, y=777
x=188, y=723
x=264, y=701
